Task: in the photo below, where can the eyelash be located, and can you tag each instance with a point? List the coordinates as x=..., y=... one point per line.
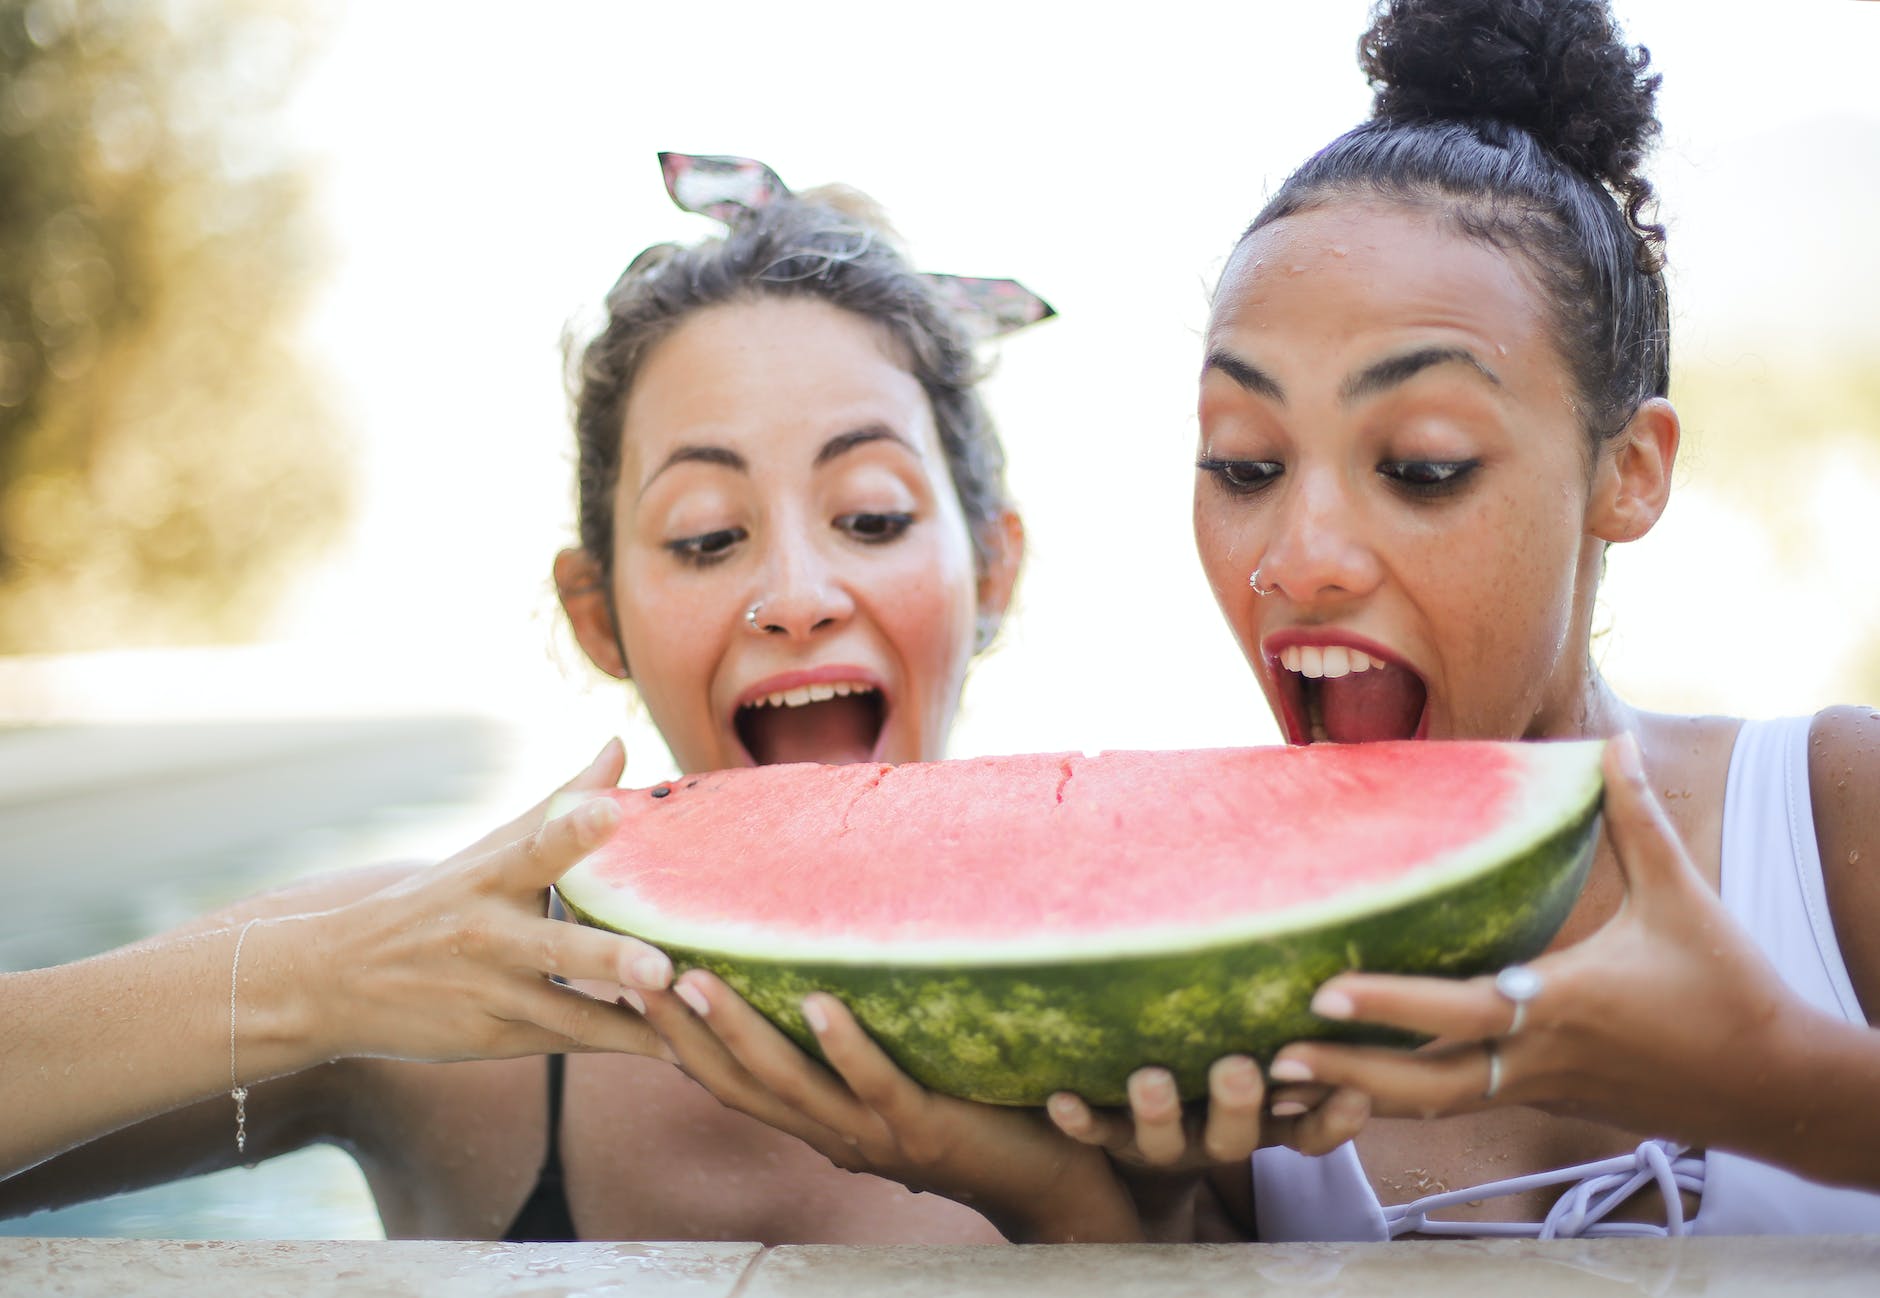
x=708, y=548
x=1424, y=479
x=892, y=525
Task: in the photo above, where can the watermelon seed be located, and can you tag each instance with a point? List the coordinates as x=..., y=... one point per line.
x=661, y=791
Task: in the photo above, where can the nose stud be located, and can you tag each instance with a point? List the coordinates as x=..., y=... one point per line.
x=1254, y=581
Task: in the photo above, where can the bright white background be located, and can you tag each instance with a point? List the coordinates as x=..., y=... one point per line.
x=486, y=170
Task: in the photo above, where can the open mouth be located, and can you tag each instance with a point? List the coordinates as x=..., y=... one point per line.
x=1341, y=694
x=833, y=722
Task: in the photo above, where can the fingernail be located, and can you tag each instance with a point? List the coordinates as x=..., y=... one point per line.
x=1630, y=764
x=1236, y=1078
x=815, y=1015
x=695, y=998
x=652, y=970
x=1287, y=1108
x=600, y=758
x=1153, y=1085
x=1066, y=1108
x=1330, y=1003
x=1290, y=1070
x=632, y=1000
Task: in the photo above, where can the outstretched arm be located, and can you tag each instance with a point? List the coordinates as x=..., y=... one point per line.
x=1668, y=1021
x=450, y=962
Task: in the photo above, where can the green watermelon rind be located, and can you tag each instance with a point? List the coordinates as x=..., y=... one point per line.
x=1014, y=1032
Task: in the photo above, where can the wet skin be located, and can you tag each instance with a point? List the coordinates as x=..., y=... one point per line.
x=1389, y=435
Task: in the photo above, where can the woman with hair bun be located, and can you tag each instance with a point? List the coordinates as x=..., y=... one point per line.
x=1434, y=394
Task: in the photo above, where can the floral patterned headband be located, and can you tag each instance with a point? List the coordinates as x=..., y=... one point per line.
x=731, y=189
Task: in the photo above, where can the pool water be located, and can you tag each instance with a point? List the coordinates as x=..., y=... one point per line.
x=111, y=833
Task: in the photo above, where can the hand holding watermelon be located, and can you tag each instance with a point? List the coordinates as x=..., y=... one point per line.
x=1667, y=1021
x=1008, y=1163
x=468, y=940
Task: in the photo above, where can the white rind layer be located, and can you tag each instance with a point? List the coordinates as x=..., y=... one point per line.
x=1561, y=781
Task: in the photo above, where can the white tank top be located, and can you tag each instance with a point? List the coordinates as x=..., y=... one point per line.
x=1772, y=886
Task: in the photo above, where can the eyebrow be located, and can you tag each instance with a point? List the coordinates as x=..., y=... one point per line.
x=842, y=443
x=699, y=455
x=1393, y=370
x=836, y=446
x=1246, y=375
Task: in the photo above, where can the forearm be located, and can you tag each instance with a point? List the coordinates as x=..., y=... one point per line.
x=1813, y=1105
x=90, y=1047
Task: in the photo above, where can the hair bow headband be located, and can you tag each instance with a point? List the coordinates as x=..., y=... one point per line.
x=730, y=189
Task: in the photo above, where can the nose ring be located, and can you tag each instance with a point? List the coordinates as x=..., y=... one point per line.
x=1254, y=581
x=750, y=617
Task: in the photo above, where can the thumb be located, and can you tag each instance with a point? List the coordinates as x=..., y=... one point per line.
x=604, y=771
x=1651, y=857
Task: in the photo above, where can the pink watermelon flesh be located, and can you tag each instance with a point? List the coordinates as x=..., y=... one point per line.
x=1018, y=847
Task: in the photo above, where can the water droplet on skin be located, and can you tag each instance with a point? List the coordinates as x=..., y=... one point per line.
x=1339, y=250
x=1853, y=857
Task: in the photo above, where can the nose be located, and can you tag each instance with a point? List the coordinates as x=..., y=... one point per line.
x=801, y=594
x=1317, y=550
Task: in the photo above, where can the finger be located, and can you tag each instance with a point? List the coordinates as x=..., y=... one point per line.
x=586, y=1023
x=1101, y=1128
x=775, y=1061
x=1326, y=1126
x=706, y=1061
x=1402, y=1084
x=533, y=862
x=575, y=951
x=1439, y=1007
x=1235, y=1094
x=1651, y=856
x=872, y=1077
x=1157, y=1108
x=1293, y=1101
x=603, y=772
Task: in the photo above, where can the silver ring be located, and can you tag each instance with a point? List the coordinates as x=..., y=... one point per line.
x=1253, y=580
x=1494, y=1070
x=1519, y=984
x=750, y=617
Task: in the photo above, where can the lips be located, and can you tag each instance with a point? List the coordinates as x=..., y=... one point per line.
x=832, y=715
x=1333, y=686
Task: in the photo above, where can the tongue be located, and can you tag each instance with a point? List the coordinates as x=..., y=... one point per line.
x=1383, y=703
x=836, y=731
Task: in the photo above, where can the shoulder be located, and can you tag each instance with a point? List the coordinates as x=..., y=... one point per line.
x=1844, y=788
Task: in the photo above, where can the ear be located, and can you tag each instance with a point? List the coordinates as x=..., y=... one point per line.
x=582, y=587
x=1005, y=555
x=1632, y=481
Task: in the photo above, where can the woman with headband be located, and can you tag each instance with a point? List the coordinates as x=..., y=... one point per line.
x=794, y=537
x=1434, y=393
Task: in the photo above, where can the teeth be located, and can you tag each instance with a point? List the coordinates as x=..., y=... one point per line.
x=796, y=698
x=1327, y=660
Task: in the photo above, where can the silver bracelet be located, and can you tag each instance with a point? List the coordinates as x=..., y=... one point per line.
x=237, y=1091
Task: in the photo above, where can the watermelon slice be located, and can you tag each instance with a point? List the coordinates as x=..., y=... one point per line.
x=1007, y=927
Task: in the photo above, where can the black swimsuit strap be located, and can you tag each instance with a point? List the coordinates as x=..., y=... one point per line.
x=544, y=1217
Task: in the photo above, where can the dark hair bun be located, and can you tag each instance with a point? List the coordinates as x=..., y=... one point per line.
x=1557, y=69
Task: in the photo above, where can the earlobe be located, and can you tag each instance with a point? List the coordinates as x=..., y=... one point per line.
x=999, y=580
x=582, y=587
x=1632, y=483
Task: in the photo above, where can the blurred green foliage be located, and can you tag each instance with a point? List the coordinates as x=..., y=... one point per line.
x=165, y=456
